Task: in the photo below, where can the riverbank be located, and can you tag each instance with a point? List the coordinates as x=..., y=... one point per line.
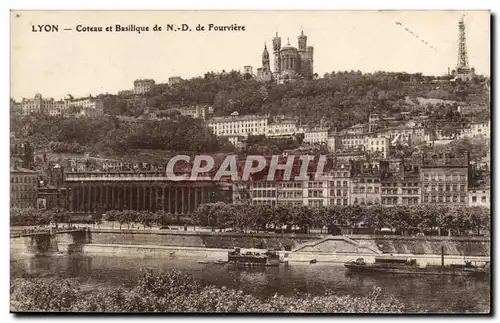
x=293, y=247
x=174, y=291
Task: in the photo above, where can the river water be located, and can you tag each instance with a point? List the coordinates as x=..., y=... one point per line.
x=430, y=293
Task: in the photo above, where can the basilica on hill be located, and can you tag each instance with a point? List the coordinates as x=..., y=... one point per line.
x=290, y=63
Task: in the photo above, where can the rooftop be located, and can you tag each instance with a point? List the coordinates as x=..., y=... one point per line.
x=22, y=170
x=237, y=117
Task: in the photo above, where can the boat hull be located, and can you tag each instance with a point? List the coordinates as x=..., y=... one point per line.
x=436, y=271
x=253, y=261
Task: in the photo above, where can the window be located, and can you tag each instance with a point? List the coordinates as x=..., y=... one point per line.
x=474, y=199
x=483, y=199
x=345, y=201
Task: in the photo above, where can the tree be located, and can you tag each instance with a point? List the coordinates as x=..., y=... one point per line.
x=112, y=216
x=57, y=216
x=97, y=218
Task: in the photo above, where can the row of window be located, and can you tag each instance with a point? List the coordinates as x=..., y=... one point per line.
x=340, y=174
x=316, y=203
x=315, y=193
x=443, y=199
x=443, y=177
x=23, y=188
x=315, y=184
x=239, y=122
x=368, y=180
x=483, y=199
x=444, y=188
x=394, y=200
x=361, y=201
x=290, y=194
x=338, y=192
x=291, y=185
x=23, y=179
x=293, y=203
x=338, y=183
x=23, y=195
x=369, y=189
x=339, y=202
x=407, y=191
x=262, y=193
x=265, y=202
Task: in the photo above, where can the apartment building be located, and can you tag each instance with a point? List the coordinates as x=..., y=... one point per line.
x=339, y=186
x=445, y=180
x=143, y=86
x=238, y=125
x=316, y=136
x=283, y=128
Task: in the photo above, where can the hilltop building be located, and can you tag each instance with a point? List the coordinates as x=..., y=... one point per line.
x=290, y=63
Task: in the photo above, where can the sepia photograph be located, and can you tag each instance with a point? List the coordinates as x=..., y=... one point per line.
x=321, y=162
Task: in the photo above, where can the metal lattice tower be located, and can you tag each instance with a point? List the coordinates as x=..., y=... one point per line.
x=463, y=61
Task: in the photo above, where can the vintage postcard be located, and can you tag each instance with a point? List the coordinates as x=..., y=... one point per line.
x=250, y=161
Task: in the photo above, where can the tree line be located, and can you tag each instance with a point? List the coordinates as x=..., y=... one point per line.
x=406, y=220
x=111, y=135
x=244, y=217
x=339, y=99
x=56, y=216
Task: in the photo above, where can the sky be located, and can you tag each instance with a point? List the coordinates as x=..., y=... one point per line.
x=81, y=64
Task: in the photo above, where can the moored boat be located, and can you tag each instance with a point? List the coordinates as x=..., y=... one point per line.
x=268, y=258
x=408, y=266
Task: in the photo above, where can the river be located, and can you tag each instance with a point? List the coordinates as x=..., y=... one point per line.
x=430, y=293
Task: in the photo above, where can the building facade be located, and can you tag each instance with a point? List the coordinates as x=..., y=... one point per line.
x=238, y=125
x=142, y=191
x=89, y=106
x=195, y=111
x=479, y=196
x=285, y=128
x=21, y=152
x=316, y=136
x=174, y=80
x=23, y=187
x=339, y=186
x=143, y=86
x=290, y=63
x=445, y=181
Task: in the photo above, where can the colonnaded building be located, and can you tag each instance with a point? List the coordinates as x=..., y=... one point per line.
x=290, y=63
x=145, y=191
